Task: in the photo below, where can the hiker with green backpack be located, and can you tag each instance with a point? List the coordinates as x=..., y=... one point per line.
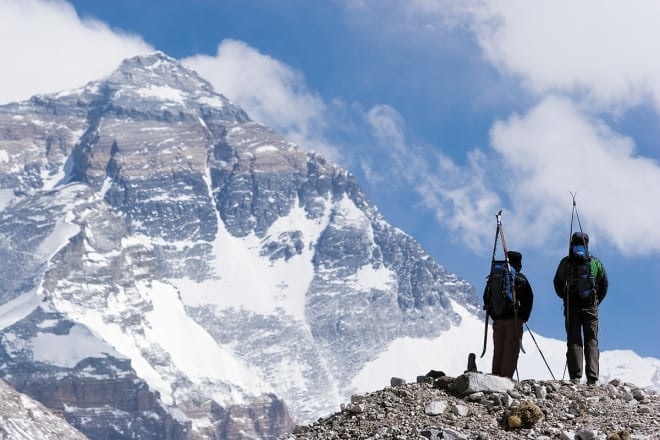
x=581, y=282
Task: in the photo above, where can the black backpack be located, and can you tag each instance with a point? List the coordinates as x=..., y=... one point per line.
x=498, y=300
x=581, y=274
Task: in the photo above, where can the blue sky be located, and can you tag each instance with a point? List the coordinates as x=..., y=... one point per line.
x=445, y=111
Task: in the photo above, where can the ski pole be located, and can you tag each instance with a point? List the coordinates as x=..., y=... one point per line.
x=539, y=349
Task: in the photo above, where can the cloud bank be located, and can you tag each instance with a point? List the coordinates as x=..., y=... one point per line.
x=46, y=48
x=270, y=91
x=583, y=64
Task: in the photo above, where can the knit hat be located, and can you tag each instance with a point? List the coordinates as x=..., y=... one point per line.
x=515, y=259
x=578, y=238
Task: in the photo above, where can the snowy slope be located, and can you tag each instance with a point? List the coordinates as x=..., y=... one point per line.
x=408, y=358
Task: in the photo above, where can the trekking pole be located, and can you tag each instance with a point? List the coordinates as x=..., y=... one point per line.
x=577, y=215
x=567, y=319
x=539, y=349
x=497, y=233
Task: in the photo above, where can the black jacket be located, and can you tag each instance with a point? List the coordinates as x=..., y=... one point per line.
x=564, y=281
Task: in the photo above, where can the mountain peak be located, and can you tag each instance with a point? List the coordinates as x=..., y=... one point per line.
x=157, y=70
x=157, y=62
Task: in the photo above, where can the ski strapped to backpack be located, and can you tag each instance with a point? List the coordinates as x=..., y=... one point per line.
x=500, y=294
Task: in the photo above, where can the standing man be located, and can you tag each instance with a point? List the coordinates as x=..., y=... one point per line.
x=508, y=325
x=581, y=281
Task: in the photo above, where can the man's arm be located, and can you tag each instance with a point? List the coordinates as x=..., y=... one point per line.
x=560, y=279
x=526, y=298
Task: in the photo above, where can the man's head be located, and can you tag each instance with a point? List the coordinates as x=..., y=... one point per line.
x=515, y=259
x=580, y=246
x=580, y=238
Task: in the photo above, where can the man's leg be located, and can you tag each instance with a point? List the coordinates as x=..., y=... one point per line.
x=574, y=351
x=511, y=349
x=498, y=347
x=591, y=352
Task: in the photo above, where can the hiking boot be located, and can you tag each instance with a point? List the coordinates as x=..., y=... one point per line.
x=592, y=382
x=575, y=380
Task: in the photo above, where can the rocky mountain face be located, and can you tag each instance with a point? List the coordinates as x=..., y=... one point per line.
x=23, y=418
x=478, y=406
x=174, y=270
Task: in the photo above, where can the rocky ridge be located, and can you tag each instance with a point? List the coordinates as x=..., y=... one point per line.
x=483, y=407
x=24, y=418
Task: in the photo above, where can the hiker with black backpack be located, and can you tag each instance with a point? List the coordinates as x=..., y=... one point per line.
x=581, y=282
x=508, y=302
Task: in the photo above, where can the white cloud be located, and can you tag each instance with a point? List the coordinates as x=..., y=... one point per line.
x=460, y=197
x=555, y=149
x=270, y=91
x=601, y=48
x=583, y=62
x=387, y=126
x=46, y=48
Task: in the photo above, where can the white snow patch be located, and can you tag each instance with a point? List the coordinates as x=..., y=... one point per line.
x=347, y=215
x=616, y=364
x=6, y=196
x=57, y=239
x=178, y=415
x=266, y=149
x=49, y=181
x=191, y=348
x=4, y=156
x=213, y=101
x=368, y=277
x=67, y=350
x=107, y=184
x=161, y=92
x=129, y=345
x=249, y=280
x=18, y=308
x=48, y=323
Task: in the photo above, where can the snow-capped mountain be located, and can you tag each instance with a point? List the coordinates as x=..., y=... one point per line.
x=190, y=265
x=175, y=270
